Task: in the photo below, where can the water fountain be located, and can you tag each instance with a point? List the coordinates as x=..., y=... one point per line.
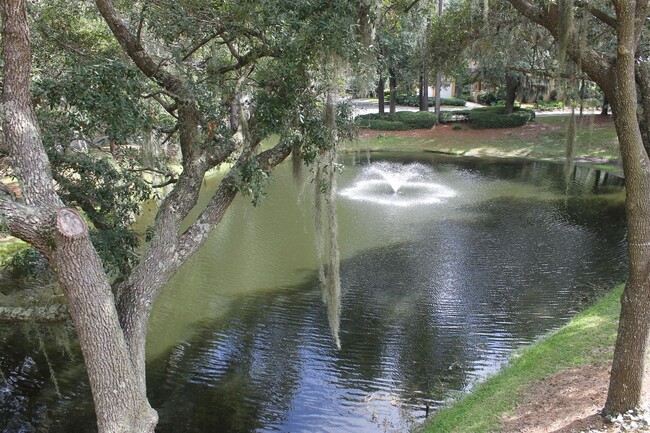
x=401, y=185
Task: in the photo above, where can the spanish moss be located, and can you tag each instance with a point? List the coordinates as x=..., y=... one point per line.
x=55, y=382
x=565, y=29
x=569, y=151
x=327, y=240
x=327, y=228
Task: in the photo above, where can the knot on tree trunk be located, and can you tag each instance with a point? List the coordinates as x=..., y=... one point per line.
x=70, y=223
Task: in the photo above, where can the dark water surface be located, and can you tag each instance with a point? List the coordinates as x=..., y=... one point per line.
x=436, y=296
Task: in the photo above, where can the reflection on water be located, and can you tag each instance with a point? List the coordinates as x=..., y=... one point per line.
x=435, y=297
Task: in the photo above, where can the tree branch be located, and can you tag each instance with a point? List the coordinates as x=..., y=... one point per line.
x=601, y=15
x=198, y=46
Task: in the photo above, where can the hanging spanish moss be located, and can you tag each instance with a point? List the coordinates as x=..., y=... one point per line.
x=569, y=151
x=327, y=227
x=486, y=11
x=55, y=382
x=297, y=168
x=327, y=241
x=365, y=70
x=3, y=378
x=565, y=29
x=481, y=8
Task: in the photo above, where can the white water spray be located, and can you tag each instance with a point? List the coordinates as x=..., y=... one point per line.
x=401, y=185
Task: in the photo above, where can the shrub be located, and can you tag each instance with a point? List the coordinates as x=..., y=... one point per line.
x=494, y=117
x=456, y=102
x=414, y=101
x=416, y=119
x=387, y=125
x=548, y=106
x=457, y=128
x=487, y=98
x=400, y=121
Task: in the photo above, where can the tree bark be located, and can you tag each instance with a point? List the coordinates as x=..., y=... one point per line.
x=392, y=85
x=512, y=84
x=605, y=108
x=618, y=82
x=380, y=95
x=424, y=89
x=120, y=403
x=628, y=368
x=62, y=235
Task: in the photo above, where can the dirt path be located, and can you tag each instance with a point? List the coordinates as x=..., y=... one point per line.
x=566, y=402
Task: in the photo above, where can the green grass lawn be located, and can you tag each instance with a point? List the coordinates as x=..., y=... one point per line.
x=588, y=339
x=542, y=139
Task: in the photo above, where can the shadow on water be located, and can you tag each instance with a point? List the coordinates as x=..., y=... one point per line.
x=434, y=300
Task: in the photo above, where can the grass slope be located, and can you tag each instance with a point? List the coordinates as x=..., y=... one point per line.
x=588, y=339
x=542, y=139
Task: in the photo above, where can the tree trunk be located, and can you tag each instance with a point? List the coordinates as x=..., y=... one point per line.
x=392, y=85
x=62, y=235
x=617, y=80
x=438, y=74
x=438, y=97
x=605, y=109
x=630, y=353
x=120, y=403
x=424, y=89
x=512, y=84
x=380, y=95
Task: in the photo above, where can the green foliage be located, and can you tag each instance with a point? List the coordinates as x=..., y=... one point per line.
x=387, y=125
x=494, y=117
x=26, y=262
x=416, y=119
x=89, y=100
x=548, y=106
x=414, y=101
x=251, y=180
x=487, y=98
x=109, y=196
x=400, y=121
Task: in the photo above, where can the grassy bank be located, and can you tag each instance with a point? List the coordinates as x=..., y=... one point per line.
x=588, y=339
x=542, y=139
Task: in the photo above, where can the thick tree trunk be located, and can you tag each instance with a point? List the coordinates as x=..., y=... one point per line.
x=617, y=80
x=512, y=84
x=62, y=235
x=120, y=403
x=630, y=354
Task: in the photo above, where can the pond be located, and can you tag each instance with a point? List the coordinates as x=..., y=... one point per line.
x=448, y=265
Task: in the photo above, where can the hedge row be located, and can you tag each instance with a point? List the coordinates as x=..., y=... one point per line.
x=495, y=117
x=400, y=121
x=414, y=101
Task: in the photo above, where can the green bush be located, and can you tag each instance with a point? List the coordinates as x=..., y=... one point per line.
x=400, y=121
x=548, y=106
x=414, y=101
x=387, y=125
x=416, y=119
x=457, y=102
x=487, y=98
x=494, y=117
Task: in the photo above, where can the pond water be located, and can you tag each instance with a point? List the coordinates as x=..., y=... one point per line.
x=448, y=265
